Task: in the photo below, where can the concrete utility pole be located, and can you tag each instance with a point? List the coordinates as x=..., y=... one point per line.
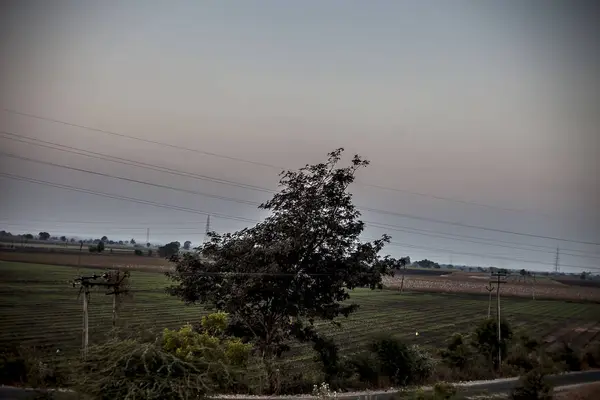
x=500, y=275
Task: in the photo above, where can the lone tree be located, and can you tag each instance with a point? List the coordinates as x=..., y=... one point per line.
x=187, y=244
x=104, y=239
x=277, y=278
x=44, y=235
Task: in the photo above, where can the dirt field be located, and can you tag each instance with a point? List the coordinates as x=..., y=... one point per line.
x=90, y=260
x=462, y=282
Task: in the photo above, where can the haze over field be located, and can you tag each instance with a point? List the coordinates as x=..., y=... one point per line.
x=493, y=104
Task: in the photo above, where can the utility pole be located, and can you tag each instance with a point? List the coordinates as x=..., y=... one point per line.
x=556, y=260
x=490, y=289
x=500, y=275
x=88, y=282
x=79, y=256
x=148, y=235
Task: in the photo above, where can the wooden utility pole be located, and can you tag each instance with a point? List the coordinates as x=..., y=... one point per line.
x=88, y=282
x=500, y=275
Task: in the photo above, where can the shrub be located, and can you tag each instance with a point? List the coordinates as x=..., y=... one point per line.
x=568, y=356
x=31, y=366
x=366, y=366
x=592, y=355
x=403, y=365
x=323, y=392
x=132, y=369
x=486, y=339
x=458, y=353
x=138, y=252
x=93, y=249
x=223, y=358
x=532, y=386
x=336, y=371
x=13, y=367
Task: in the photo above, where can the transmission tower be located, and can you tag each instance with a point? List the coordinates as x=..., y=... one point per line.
x=206, y=238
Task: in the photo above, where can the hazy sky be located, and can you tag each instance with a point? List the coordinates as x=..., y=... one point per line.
x=492, y=102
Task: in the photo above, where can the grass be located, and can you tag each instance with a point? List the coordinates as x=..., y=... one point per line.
x=38, y=306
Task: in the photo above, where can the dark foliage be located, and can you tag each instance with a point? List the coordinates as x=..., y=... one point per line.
x=298, y=265
x=458, y=353
x=169, y=250
x=486, y=339
x=532, y=386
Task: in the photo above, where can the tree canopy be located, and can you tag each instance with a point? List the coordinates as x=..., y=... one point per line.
x=298, y=265
x=169, y=249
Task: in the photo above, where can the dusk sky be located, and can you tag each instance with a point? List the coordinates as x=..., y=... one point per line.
x=479, y=113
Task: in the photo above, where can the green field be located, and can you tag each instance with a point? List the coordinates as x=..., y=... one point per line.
x=38, y=306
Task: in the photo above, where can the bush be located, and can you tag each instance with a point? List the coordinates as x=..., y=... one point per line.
x=457, y=354
x=150, y=253
x=179, y=364
x=34, y=367
x=532, y=386
x=223, y=358
x=401, y=364
x=93, y=249
x=132, y=369
x=592, y=355
x=486, y=339
x=366, y=366
x=13, y=368
x=568, y=356
x=138, y=252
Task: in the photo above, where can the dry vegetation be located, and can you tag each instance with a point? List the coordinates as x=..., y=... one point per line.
x=474, y=283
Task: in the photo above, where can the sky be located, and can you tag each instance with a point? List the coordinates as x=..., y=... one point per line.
x=479, y=118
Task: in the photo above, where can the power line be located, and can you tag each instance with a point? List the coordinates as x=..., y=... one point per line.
x=125, y=198
x=262, y=164
x=155, y=142
x=483, y=255
x=415, y=232
x=124, y=161
x=253, y=203
x=370, y=209
x=438, y=221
